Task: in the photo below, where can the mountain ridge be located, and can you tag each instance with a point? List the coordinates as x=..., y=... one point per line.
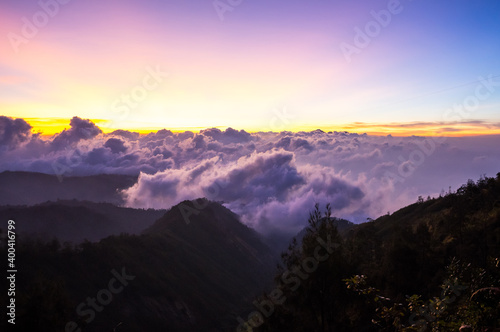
x=30, y=188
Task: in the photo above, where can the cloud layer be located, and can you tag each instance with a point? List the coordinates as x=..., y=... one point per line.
x=271, y=179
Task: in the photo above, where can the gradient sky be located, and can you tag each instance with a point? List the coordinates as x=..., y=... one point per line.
x=264, y=58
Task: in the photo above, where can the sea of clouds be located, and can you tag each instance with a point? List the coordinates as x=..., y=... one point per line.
x=272, y=180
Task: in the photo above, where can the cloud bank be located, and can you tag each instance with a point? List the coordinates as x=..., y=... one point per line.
x=271, y=179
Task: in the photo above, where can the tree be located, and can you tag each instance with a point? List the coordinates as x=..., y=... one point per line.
x=465, y=300
x=310, y=278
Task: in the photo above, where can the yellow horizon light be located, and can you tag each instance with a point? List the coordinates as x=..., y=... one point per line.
x=51, y=126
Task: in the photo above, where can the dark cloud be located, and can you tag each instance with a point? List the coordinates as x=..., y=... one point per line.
x=284, y=143
x=126, y=134
x=80, y=130
x=301, y=143
x=13, y=132
x=116, y=145
x=185, y=135
x=260, y=177
x=199, y=142
x=228, y=136
x=164, y=152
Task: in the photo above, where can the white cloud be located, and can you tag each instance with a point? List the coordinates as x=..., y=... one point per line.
x=272, y=180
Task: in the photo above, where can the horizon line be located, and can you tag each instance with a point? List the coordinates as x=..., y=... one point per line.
x=49, y=126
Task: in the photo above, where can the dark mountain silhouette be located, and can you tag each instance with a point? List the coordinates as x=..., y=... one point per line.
x=197, y=268
x=76, y=221
x=211, y=218
x=343, y=227
x=279, y=241
x=412, y=246
x=27, y=188
x=188, y=277
x=435, y=262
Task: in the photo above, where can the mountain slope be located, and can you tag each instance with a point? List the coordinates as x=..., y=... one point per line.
x=435, y=262
x=188, y=277
x=411, y=247
x=214, y=219
x=76, y=221
x=28, y=188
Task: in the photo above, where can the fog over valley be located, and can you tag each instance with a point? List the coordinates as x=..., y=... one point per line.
x=271, y=179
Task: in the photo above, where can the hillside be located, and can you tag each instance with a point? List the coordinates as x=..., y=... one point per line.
x=76, y=221
x=188, y=277
x=28, y=188
x=415, y=243
x=212, y=219
x=433, y=265
x=198, y=268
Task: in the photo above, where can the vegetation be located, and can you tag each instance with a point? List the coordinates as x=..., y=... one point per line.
x=433, y=265
x=75, y=221
x=188, y=277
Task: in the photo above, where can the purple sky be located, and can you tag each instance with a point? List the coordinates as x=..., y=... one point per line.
x=331, y=63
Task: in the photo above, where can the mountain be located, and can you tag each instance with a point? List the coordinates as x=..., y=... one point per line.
x=196, y=276
x=279, y=242
x=343, y=227
x=198, y=268
x=409, y=249
x=28, y=188
x=76, y=221
x=432, y=265
x=214, y=219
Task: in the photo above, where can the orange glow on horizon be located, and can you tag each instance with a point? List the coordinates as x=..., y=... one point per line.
x=51, y=126
x=411, y=129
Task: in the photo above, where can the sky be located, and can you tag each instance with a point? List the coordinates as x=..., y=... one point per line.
x=269, y=106
x=409, y=67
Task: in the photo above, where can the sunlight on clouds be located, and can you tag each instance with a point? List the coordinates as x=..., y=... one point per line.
x=50, y=126
x=263, y=174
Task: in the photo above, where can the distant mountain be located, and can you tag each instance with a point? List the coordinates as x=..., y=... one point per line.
x=343, y=227
x=76, y=221
x=196, y=276
x=280, y=242
x=27, y=188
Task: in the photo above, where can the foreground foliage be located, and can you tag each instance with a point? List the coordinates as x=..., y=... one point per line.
x=432, y=266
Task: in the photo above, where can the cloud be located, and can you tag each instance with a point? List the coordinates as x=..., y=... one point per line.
x=80, y=130
x=271, y=179
x=257, y=186
x=116, y=145
x=466, y=127
x=228, y=136
x=126, y=134
x=13, y=132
